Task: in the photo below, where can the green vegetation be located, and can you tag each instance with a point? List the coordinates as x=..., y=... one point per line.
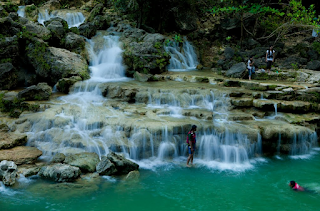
x=9, y=7
x=278, y=19
x=30, y=9
x=316, y=47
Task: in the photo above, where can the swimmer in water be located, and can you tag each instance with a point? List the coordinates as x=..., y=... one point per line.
x=295, y=186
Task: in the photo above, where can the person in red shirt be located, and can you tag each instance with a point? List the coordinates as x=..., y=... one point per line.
x=295, y=186
x=191, y=141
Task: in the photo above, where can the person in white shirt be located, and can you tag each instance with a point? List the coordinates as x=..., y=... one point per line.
x=251, y=68
x=270, y=58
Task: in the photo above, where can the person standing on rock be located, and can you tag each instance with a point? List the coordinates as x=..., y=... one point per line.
x=251, y=68
x=270, y=57
x=191, y=141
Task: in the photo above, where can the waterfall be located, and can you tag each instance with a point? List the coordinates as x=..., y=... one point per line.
x=73, y=128
x=22, y=11
x=302, y=143
x=182, y=59
x=74, y=19
x=106, y=54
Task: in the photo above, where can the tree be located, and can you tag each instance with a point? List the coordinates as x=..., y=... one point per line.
x=279, y=19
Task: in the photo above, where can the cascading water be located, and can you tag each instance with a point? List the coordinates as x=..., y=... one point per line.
x=74, y=19
x=106, y=64
x=182, y=59
x=22, y=11
x=302, y=144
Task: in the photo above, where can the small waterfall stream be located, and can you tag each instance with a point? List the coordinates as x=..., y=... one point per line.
x=74, y=19
x=182, y=58
x=22, y=11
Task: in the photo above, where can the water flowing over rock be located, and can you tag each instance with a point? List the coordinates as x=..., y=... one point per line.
x=64, y=84
x=60, y=172
x=40, y=92
x=87, y=161
x=8, y=172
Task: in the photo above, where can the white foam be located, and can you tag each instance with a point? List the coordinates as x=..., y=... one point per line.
x=110, y=179
x=6, y=191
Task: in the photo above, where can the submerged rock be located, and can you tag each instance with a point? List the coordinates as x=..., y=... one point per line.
x=60, y=172
x=8, y=172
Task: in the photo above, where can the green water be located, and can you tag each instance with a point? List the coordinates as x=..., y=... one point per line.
x=175, y=187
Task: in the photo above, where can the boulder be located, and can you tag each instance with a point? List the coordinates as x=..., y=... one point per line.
x=122, y=164
x=9, y=49
x=106, y=167
x=60, y=172
x=313, y=65
x=8, y=76
x=52, y=64
x=293, y=61
x=142, y=77
x=8, y=172
x=58, y=158
x=237, y=70
x=64, y=84
x=9, y=27
x=144, y=52
x=97, y=10
x=29, y=170
x=74, y=42
x=10, y=140
x=228, y=53
x=20, y=155
x=87, y=29
x=39, y=30
x=86, y=161
x=40, y=92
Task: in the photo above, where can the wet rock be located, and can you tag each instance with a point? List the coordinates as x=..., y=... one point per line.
x=8, y=76
x=142, y=77
x=106, y=167
x=86, y=161
x=122, y=164
x=8, y=172
x=64, y=84
x=237, y=70
x=10, y=140
x=133, y=176
x=40, y=92
x=264, y=104
x=21, y=154
x=58, y=158
x=29, y=170
x=60, y=172
x=242, y=102
x=295, y=106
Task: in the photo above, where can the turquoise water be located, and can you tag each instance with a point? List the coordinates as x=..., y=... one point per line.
x=175, y=187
